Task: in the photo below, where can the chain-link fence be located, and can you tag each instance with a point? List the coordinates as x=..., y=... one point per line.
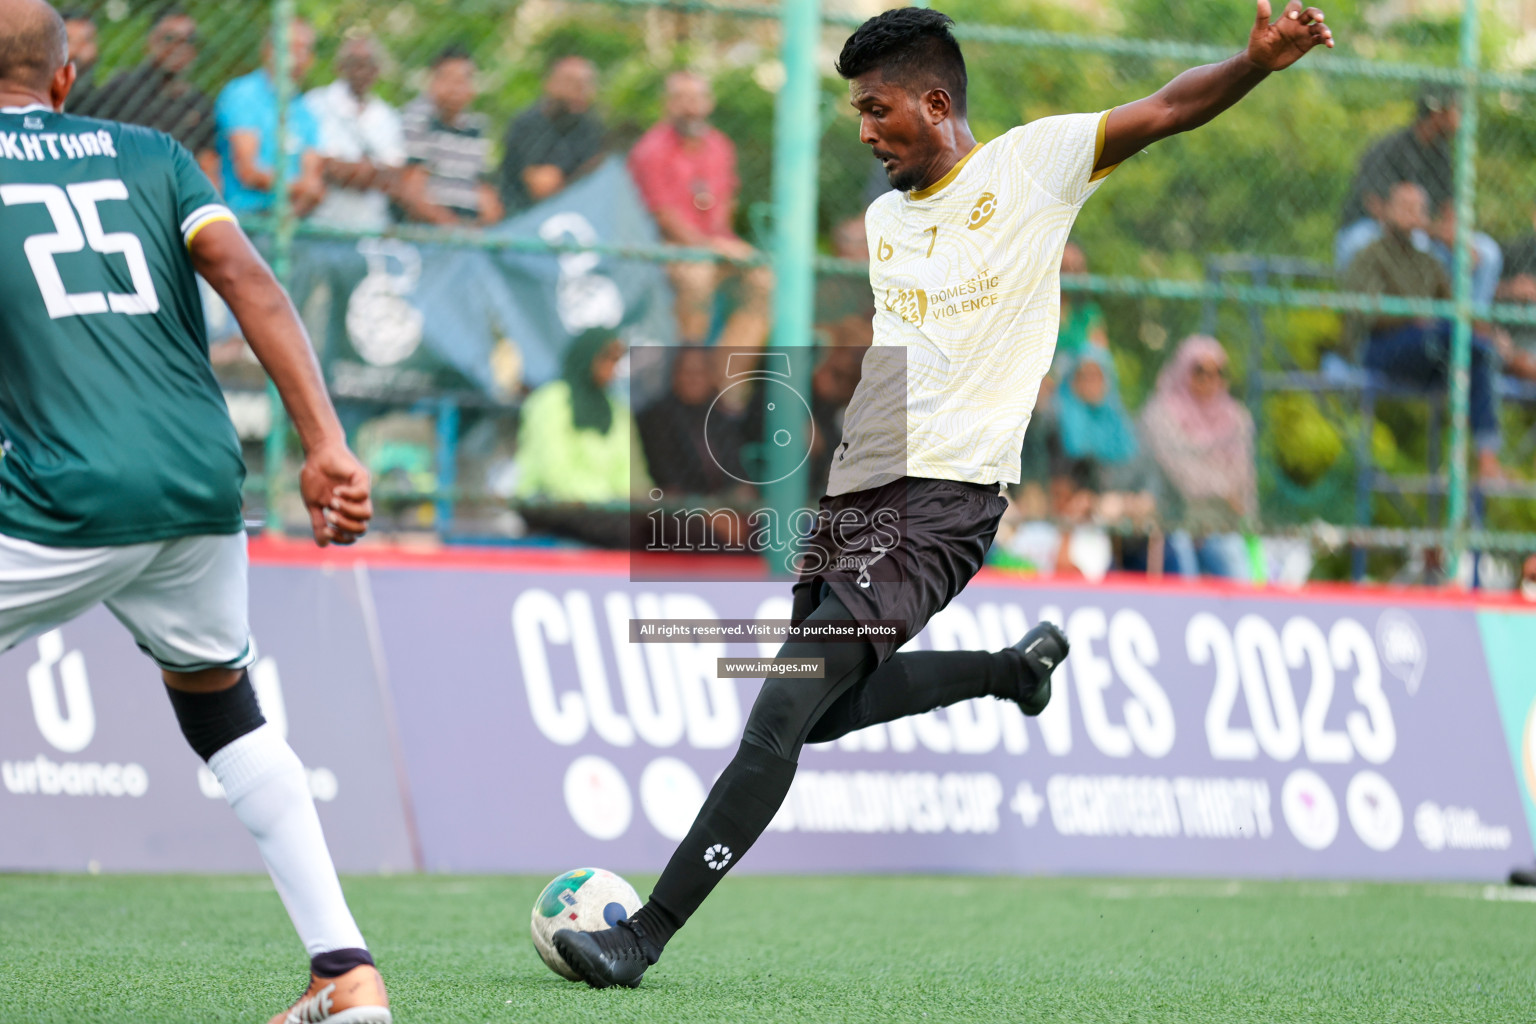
x=513, y=180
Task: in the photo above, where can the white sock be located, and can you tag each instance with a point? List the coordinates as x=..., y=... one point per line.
x=265, y=783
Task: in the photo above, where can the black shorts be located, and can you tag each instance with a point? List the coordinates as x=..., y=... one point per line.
x=901, y=551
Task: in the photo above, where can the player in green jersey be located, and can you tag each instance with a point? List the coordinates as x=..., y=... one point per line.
x=120, y=472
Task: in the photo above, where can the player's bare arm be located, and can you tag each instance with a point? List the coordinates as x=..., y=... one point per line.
x=335, y=486
x=1199, y=94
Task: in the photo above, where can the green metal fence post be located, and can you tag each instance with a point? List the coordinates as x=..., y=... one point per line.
x=1461, y=337
x=282, y=243
x=796, y=140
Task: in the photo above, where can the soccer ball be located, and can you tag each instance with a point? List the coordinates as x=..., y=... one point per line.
x=584, y=900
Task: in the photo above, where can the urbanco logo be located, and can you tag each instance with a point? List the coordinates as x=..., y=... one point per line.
x=72, y=726
x=66, y=718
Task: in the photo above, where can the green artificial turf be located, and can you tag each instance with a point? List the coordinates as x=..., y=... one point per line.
x=201, y=949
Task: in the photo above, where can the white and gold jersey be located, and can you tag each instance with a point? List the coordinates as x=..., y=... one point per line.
x=967, y=284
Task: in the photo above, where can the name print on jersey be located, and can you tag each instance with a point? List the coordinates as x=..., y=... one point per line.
x=55, y=145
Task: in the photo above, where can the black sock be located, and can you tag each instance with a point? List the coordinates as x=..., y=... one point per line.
x=212, y=721
x=336, y=962
x=738, y=810
x=917, y=681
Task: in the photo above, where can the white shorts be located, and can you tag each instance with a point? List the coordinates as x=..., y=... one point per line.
x=184, y=600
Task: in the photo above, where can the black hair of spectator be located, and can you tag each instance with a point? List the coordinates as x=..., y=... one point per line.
x=75, y=14
x=1435, y=97
x=910, y=45
x=453, y=51
x=167, y=13
x=33, y=45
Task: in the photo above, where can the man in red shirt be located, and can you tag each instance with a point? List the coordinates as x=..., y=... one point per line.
x=686, y=172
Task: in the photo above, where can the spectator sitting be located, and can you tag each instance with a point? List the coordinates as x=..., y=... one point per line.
x=80, y=29
x=556, y=140
x=246, y=113
x=1487, y=260
x=1420, y=153
x=1099, y=475
x=683, y=461
x=158, y=93
x=686, y=172
x=575, y=443
x=1202, y=440
x=1025, y=538
x=1082, y=322
x=361, y=142
x=1517, y=342
x=1417, y=349
x=447, y=150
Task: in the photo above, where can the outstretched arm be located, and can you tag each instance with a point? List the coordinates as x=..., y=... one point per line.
x=334, y=484
x=1199, y=94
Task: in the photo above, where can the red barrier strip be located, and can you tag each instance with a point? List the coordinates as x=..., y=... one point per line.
x=271, y=550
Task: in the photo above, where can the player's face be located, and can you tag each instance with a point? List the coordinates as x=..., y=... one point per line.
x=894, y=125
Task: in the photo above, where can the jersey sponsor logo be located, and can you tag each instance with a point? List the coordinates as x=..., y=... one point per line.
x=884, y=251
x=717, y=857
x=911, y=304
x=982, y=212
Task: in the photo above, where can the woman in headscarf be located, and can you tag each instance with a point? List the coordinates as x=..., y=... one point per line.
x=1202, y=440
x=1099, y=473
x=575, y=443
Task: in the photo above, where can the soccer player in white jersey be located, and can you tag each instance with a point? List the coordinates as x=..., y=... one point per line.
x=120, y=471
x=964, y=263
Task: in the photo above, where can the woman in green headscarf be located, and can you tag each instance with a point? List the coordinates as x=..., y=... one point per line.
x=576, y=444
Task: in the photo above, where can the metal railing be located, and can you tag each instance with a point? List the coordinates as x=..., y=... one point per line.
x=1028, y=59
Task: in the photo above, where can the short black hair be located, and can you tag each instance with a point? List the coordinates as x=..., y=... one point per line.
x=910, y=45
x=75, y=14
x=453, y=51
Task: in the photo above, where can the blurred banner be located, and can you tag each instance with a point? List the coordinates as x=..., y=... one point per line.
x=1193, y=732
x=1188, y=735
x=394, y=317
x=96, y=774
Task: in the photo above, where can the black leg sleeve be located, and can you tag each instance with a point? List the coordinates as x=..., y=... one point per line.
x=212, y=721
x=753, y=786
x=913, y=682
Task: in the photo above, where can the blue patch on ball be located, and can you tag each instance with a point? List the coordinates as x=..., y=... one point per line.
x=613, y=913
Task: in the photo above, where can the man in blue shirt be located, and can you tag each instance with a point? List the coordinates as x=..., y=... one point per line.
x=246, y=112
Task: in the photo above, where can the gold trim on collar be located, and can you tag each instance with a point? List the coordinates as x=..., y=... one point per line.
x=944, y=182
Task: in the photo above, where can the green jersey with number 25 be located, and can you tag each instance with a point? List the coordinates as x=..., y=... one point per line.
x=113, y=428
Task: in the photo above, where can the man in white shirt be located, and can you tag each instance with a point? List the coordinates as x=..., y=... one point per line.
x=965, y=258
x=361, y=140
